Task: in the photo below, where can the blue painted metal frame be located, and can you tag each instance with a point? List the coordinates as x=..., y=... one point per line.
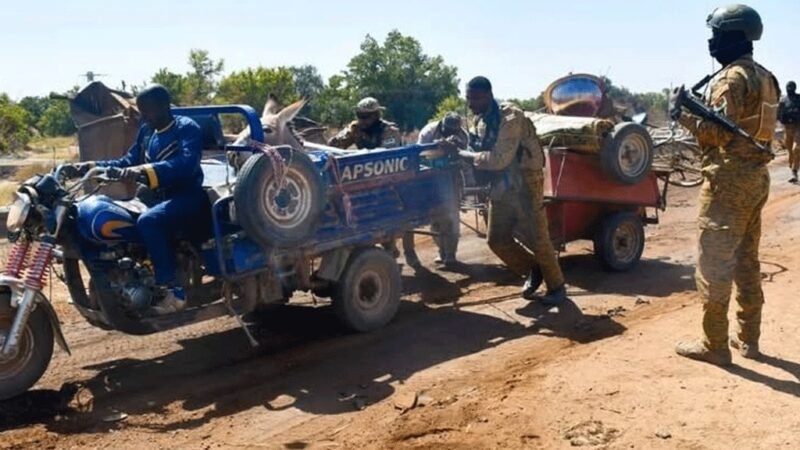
x=256, y=130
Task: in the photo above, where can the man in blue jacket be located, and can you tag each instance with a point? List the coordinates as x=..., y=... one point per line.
x=166, y=158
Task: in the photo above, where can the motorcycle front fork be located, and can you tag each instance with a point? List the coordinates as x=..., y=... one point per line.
x=25, y=306
x=34, y=270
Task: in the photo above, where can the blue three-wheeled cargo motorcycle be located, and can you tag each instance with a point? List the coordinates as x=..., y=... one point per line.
x=289, y=220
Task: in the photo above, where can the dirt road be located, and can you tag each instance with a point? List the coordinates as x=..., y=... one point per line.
x=466, y=365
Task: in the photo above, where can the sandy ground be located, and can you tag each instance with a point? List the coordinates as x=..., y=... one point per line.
x=466, y=364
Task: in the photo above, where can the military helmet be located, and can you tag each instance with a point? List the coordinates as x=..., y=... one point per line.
x=369, y=105
x=737, y=18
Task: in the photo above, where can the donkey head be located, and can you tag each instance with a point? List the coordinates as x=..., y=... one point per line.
x=275, y=122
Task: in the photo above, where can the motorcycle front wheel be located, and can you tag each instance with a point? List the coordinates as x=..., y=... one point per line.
x=21, y=372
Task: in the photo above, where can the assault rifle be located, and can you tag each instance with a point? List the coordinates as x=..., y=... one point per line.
x=689, y=100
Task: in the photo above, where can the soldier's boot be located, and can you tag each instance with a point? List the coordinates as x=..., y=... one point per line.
x=699, y=351
x=555, y=297
x=747, y=350
x=794, y=177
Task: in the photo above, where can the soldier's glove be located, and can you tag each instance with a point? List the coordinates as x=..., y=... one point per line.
x=676, y=102
x=128, y=175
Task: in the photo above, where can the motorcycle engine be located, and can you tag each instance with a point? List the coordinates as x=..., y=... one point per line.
x=137, y=287
x=138, y=297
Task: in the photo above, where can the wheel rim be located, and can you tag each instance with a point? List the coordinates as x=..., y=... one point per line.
x=371, y=292
x=626, y=241
x=14, y=366
x=290, y=205
x=632, y=155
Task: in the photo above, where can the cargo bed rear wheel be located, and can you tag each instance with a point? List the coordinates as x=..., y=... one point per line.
x=367, y=295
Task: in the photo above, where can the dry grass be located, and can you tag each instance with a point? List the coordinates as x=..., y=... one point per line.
x=7, y=189
x=29, y=170
x=47, y=144
x=61, y=148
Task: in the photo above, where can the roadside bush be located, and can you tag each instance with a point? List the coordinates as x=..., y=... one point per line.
x=14, y=131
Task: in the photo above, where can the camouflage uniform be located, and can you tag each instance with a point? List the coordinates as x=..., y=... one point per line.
x=735, y=190
x=382, y=135
x=514, y=163
x=790, y=143
x=789, y=116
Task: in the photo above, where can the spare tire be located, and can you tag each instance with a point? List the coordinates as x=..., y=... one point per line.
x=279, y=216
x=627, y=154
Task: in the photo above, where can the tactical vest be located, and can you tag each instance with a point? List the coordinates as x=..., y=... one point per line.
x=762, y=124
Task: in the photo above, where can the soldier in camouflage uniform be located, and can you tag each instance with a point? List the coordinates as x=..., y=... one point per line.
x=509, y=155
x=369, y=131
x=736, y=187
x=789, y=116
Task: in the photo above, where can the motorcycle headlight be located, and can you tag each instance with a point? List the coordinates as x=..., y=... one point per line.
x=18, y=213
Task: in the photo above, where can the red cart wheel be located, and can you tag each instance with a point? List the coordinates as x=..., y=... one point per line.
x=619, y=242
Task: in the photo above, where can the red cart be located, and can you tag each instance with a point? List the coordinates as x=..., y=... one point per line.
x=584, y=203
x=600, y=182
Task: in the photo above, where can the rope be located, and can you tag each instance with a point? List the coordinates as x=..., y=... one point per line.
x=333, y=165
x=279, y=167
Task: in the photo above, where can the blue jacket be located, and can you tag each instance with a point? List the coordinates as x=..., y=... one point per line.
x=170, y=157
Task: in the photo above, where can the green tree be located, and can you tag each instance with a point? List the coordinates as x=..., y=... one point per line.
x=195, y=87
x=453, y=103
x=252, y=86
x=653, y=103
x=56, y=120
x=202, y=80
x=307, y=81
x=308, y=84
x=174, y=82
x=335, y=104
x=530, y=104
x=14, y=126
x=36, y=106
x=407, y=81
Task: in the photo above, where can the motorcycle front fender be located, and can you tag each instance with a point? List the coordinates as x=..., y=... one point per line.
x=44, y=303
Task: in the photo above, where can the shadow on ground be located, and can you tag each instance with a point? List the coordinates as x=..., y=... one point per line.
x=651, y=277
x=305, y=361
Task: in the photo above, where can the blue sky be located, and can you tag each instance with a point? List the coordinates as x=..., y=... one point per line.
x=520, y=45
